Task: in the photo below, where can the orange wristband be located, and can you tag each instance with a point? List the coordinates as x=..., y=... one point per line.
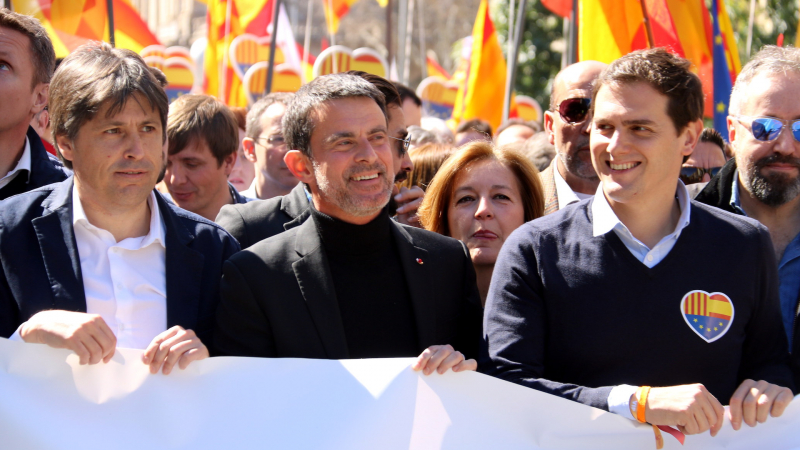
x=641, y=400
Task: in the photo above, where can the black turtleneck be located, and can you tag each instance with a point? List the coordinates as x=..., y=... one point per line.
x=370, y=287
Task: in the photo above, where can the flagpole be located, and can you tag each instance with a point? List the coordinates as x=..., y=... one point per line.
x=389, y=48
x=402, y=19
x=572, y=58
x=7, y=4
x=647, y=26
x=307, y=41
x=512, y=60
x=510, y=29
x=422, y=48
x=334, y=58
x=111, y=33
x=750, y=26
x=273, y=42
x=409, y=35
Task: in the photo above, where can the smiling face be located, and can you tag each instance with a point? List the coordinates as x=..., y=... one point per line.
x=770, y=171
x=636, y=150
x=485, y=208
x=351, y=172
x=117, y=159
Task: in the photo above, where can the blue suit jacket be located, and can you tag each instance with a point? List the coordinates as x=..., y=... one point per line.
x=40, y=267
x=45, y=169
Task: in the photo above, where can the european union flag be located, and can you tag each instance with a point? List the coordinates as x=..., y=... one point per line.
x=722, y=75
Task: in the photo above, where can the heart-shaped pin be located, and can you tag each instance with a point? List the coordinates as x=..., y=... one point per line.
x=709, y=315
x=284, y=79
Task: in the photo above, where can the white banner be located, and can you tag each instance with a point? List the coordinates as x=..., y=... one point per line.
x=49, y=401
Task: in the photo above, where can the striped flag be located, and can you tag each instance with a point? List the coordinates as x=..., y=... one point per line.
x=435, y=70
x=335, y=10
x=72, y=23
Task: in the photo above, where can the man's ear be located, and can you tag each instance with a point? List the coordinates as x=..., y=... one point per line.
x=41, y=93
x=691, y=136
x=300, y=166
x=249, y=147
x=229, y=162
x=731, y=131
x=66, y=147
x=548, y=127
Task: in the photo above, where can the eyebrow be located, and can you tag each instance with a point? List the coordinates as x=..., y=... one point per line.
x=638, y=122
x=494, y=186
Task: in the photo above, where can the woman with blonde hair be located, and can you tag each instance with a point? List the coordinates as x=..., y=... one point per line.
x=480, y=195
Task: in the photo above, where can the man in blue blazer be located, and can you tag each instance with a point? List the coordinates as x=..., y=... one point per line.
x=101, y=260
x=28, y=61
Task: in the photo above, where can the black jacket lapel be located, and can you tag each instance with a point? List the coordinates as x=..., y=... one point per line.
x=316, y=284
x=184, y=268
x=296, y=206
x=719, y=190
x=59, y=249
x=419, y=282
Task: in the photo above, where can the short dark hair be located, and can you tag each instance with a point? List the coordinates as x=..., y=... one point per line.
x=93, y=75
x=253, y=128
x=162, y=79
x=481, y=126
x=298, y=123
x=43, y=56
x=534, y=126
x=386, y=87
x=666, y=73
x=713, y=136
x=200, y=116
x=240, y=114
x=407, y=93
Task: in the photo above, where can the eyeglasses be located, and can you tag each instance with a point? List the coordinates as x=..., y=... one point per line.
x=406, y=144
x=574, y=110
x=275, y=140
x=769, y=128
x=691, y=175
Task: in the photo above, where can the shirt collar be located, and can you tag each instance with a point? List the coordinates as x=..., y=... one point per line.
x=157, y=227
x=604, y=219
x=24, y=162
x=564, y=193
x=736, y=200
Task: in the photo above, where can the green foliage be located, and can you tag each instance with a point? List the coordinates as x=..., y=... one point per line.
x=772, y=17
x=538, y=62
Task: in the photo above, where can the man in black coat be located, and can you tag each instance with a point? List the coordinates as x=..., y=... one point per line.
x=101, y=260
x=24, y=163
x=349, y=282
x=762, y=181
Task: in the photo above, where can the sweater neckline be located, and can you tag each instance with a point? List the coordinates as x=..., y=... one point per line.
x=344, y=238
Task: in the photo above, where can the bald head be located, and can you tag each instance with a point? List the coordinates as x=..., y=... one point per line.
x=578, y=76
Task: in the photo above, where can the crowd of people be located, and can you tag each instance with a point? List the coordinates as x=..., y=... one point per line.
x=620, y=256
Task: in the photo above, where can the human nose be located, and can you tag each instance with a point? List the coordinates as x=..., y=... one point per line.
x=367, y=152
x=135, y=147
x=786, y=144
x=586, y=126
x=484, y=210
x=175, y=174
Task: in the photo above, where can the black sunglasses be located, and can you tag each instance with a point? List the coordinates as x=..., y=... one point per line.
x=574, y=110
x=691, y=175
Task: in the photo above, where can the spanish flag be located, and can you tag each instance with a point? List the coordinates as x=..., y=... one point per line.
x=72, y=23
x=435, y=70
x=482, y=94
x=335, y=10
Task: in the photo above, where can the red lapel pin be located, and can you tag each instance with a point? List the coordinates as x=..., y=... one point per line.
x=419, y=261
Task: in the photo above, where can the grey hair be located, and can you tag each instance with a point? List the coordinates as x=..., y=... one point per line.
x=771, y=59
x=253, y=127
x=298, y=122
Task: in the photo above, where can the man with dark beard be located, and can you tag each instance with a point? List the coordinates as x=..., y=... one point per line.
x=570, y=177
x=762, y=181
x=349, y=282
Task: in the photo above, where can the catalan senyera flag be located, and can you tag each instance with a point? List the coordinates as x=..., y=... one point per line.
x=481, y=95
x=227, y=19
x=335, y=10
x=72, y=23
x=435, y=70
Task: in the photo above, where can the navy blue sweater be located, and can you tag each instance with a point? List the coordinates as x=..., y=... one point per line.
x=574, y=315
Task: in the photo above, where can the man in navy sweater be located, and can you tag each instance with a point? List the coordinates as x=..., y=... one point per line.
x=614, y=294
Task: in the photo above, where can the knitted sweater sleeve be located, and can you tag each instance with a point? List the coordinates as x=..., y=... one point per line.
x=516, y=325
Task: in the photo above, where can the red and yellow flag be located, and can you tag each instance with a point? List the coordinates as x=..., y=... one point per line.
x=335, y=10
x=481, y=95
x=72, y=23
x=435, y=70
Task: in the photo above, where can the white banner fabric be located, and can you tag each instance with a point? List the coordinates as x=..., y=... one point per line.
x=49, y=401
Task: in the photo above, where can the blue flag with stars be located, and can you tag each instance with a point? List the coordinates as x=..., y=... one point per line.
x=722, y=76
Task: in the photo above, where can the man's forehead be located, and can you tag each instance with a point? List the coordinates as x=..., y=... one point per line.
x=635, y=101
x=397, y=120
x=768, y=91
x=13, y=43
x=576, y=80
x=135, y=107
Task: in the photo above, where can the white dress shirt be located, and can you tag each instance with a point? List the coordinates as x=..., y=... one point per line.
x=251, y=191
x=564, y=192
x=24, y=163
x=125, y=282
x=604, y=220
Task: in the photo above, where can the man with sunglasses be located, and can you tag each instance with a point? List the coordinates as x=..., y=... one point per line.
x=706, y=159
x=570, y=177
x=762, y=181
x=639, y=286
